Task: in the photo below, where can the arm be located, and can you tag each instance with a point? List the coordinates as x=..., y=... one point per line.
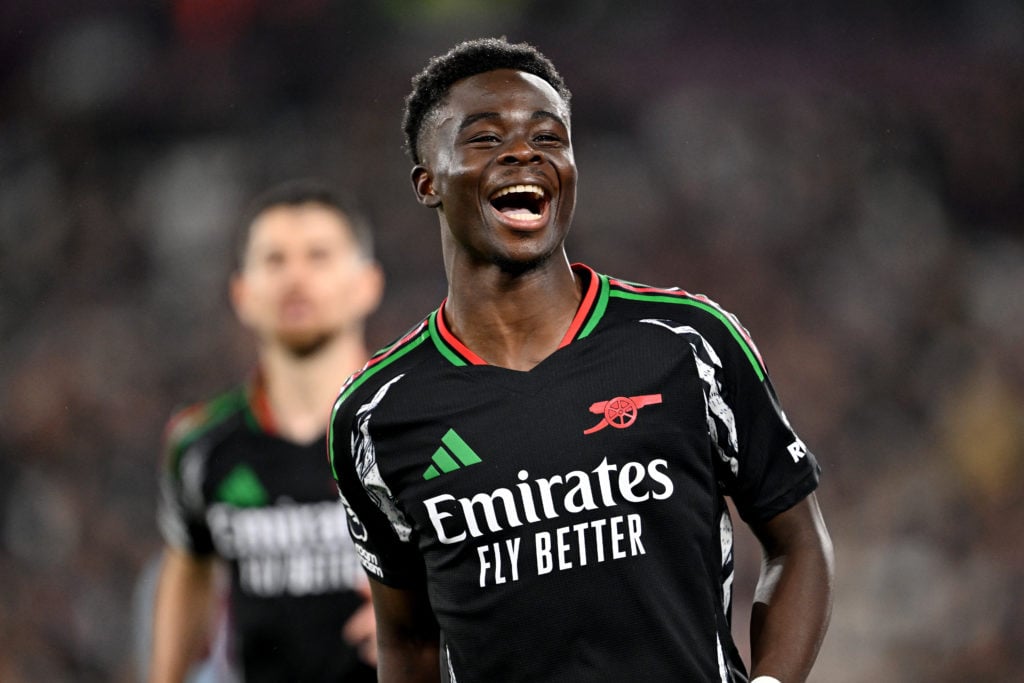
x=182, y=615
x=793, y=601
x=407, y=636
x=360, y=631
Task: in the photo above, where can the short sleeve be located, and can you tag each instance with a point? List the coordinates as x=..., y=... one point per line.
x=385, y=542
x=762, y=464
x=180, y=509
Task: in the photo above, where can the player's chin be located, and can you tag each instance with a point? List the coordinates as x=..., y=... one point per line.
x=524, y=256
x=303, y=342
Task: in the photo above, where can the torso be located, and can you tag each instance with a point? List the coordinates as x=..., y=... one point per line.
x=544, y=505
x=269, y=508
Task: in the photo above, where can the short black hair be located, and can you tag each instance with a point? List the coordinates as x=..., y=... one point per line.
x=297, y=192
x=430, y=87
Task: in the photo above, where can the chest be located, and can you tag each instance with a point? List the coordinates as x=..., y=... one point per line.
x=253, y=470
x=615, y=424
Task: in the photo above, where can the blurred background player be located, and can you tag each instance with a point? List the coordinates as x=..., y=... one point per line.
x=246, y=482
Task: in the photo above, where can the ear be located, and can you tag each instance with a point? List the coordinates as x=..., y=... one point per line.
x=370, y=290
x=236, y=291
x=423, y=186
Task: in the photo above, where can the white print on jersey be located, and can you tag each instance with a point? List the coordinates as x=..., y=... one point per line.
x=797, y=449
x=454, y=519
x=716, y=405
x=359, y=535
x=309, y=573
x=364, y=455
x=726, y=537
x=567, y=547
x=457, y=520
x=287, y=549
x=619, y=535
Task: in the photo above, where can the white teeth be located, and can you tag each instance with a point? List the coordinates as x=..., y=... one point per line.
x=522, y=214
x=532, y=189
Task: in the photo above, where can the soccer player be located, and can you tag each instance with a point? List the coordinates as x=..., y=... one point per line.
x=536, y=472
x=246, y=480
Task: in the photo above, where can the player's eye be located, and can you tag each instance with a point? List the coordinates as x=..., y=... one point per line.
x=547, y=138
x=273, y=259
x=319, y=255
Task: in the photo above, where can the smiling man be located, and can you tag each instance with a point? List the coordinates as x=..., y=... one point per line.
x=536, y=473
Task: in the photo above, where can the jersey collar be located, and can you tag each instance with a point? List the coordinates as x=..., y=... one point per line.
x=592, y=305
x=258, y=403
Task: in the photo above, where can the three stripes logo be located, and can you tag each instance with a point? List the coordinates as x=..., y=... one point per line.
x=454, y=454
x=242, y=488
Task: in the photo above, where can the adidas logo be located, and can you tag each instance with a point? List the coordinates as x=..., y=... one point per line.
x=242, y=488
x=452, y=455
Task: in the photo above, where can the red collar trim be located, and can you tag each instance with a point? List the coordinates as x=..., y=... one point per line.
x=591, y=286
x=259, y=404
x=589, y=295
x=453, y=341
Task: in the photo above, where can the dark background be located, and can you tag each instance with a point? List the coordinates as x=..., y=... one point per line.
x=848, y=179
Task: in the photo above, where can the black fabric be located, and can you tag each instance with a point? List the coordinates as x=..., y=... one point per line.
x=556, y=548
x=270, y=508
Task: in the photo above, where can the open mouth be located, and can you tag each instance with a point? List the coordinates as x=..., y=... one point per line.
x=295, y=308
x=521, y=203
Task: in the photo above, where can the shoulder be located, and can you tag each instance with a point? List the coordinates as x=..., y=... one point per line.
x=204, y=422
x=384, y=365
x=633, y=299
x=680, y=312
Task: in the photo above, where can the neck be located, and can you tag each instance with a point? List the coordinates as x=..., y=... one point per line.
x=301, y=390
x=516, y=321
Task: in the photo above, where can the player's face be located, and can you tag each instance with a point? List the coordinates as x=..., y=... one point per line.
x=498, y=163
x=303, y=280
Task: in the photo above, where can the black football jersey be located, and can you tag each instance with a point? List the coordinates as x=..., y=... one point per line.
x=569, y=522
x=270, y=508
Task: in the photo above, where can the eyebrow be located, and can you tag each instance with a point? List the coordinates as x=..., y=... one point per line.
x=493, y=115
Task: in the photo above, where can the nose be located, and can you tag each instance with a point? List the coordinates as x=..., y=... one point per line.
x=520, y=152
x=295, y=269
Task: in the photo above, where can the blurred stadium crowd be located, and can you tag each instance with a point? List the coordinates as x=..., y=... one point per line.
x=849, y=180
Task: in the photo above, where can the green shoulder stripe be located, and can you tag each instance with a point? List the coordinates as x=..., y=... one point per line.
x=599, y=306
x=190, y=424
x=380, y=360
x=625, y=290
x=438, y=338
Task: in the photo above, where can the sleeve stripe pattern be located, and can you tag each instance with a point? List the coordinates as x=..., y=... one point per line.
x=721, y=418
x=381, y=360
x=625, y=290
x=189, y=425
x=364, y=454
